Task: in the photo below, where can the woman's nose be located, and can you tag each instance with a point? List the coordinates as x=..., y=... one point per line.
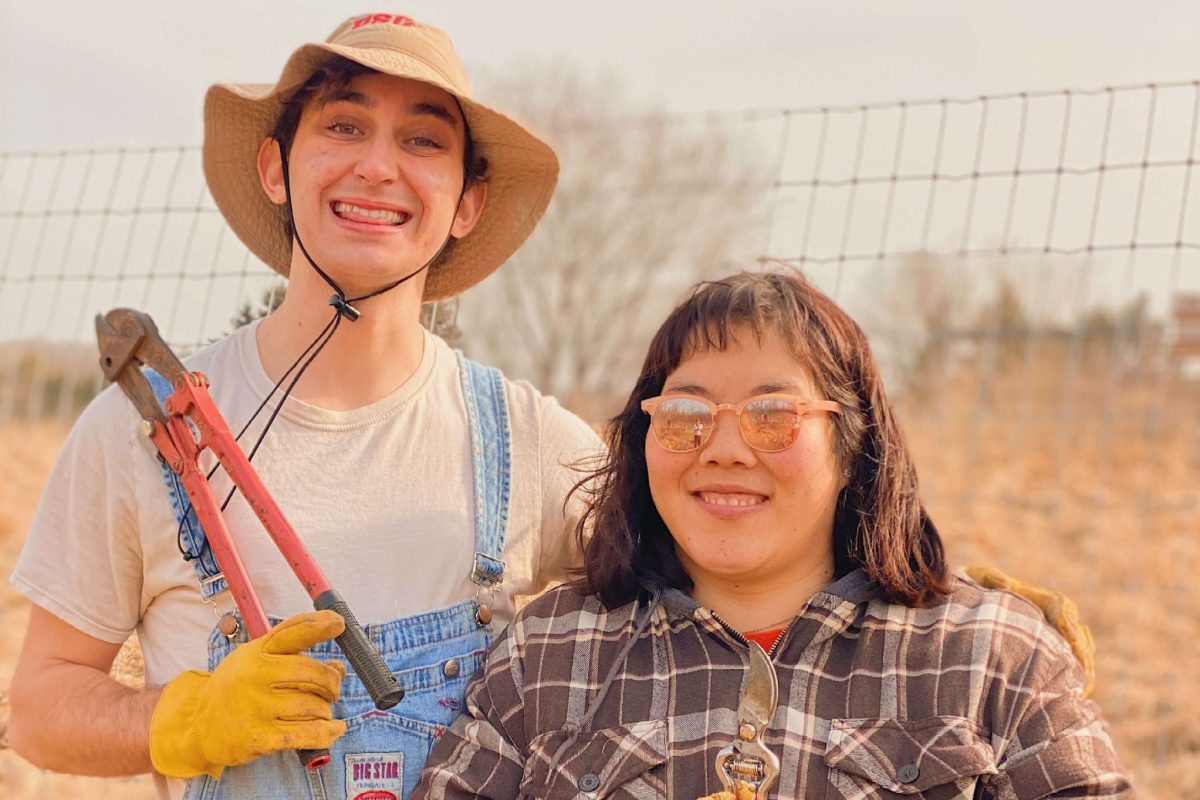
x=725, y=444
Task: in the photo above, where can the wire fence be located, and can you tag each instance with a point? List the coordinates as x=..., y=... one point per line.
x=1026, y=265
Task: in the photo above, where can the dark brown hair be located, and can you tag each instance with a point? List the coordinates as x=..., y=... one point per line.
x=880, y=523
x=325, y=84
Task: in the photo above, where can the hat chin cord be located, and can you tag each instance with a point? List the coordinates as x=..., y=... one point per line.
x=343, y=305
x=343, y=309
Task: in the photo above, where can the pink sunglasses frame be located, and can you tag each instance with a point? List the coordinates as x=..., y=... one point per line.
x=804, y=407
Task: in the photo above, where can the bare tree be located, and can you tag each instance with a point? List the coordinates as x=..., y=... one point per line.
x=646, y=206
x=268, y=300
x=919, y=308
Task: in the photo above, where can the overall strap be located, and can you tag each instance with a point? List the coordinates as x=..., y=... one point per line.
x=192, y=542
x=491, y=452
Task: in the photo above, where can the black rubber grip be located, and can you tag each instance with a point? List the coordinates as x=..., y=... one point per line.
x=313, y=759
x=363, y=657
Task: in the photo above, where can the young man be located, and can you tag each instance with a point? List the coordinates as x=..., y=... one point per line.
x=432, y=491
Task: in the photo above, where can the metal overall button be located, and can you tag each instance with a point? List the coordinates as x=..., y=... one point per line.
x=450, y=669
x=228, y=625
x=484, y=597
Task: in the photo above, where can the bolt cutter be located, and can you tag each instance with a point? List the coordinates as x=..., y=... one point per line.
x=129, y=341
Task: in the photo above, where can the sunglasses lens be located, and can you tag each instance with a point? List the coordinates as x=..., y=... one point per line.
x=770, y=424
x=681, y=425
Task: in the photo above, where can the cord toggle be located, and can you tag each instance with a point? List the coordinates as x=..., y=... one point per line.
x=343, y=307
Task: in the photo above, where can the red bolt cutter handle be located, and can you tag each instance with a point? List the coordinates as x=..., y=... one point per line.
x=129, y=339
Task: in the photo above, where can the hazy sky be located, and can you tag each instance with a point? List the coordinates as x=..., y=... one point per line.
x=82, y=73
x=132, y=73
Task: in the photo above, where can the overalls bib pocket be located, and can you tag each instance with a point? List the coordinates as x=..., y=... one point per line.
x=380, y=757
x=433, y=654
x=382, y=752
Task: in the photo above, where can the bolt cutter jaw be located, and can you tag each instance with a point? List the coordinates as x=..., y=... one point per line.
x=128, y=341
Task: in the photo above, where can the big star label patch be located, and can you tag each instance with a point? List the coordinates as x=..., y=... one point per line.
x=374, y=776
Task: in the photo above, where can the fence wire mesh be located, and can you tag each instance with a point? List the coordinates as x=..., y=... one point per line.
x=1026, y=265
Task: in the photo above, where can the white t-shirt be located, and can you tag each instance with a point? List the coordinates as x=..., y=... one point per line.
x=380, y=495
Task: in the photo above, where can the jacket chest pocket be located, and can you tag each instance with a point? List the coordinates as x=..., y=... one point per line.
x=610, y=763
x=939, y=758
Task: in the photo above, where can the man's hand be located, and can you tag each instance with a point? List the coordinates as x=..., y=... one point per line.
x=262, y=698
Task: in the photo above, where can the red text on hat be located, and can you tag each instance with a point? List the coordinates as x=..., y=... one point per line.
x=382, y=19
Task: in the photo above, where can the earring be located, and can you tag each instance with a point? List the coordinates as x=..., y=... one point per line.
x=847, y=472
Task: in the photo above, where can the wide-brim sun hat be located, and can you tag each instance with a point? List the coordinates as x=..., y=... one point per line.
x=522, y=169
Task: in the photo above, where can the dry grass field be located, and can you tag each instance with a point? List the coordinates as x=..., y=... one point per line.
x=26, y=455
x=1068, y=475
x=1085, y=477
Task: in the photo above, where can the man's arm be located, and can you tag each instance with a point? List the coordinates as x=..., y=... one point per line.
x=67, y=713
x=570, y=451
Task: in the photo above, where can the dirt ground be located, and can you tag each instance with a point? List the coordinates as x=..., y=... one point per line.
x=1096, y=499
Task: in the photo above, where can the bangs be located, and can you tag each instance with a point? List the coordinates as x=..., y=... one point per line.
x=818, y=335
x=718, y=311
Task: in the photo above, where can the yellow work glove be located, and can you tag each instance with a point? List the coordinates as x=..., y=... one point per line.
x=262, y=698
x=1060, y=611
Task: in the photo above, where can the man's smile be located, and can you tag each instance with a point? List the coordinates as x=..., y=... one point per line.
x=369, y=214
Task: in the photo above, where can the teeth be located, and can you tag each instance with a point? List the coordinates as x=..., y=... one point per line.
x=381, y=214
x=739, y=500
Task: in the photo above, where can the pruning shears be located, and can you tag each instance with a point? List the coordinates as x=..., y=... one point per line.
x=747, y=760
x=181, y=429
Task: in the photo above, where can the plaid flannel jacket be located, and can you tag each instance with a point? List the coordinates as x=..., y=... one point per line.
x=974, y=696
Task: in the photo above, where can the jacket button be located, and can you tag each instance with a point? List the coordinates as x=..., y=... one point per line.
x=589, y=782
x=450, y=668
x=908, y=773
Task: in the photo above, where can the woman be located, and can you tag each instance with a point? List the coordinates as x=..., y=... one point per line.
x=758, y=489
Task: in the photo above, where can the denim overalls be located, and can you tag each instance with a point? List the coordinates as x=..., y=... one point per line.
x=433, y=654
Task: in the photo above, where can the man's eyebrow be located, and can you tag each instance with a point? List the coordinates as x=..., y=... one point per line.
x=434, y=110
x=348, y=96
x=416, y=109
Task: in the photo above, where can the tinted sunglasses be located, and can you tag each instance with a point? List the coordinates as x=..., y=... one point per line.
x=768, y=422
